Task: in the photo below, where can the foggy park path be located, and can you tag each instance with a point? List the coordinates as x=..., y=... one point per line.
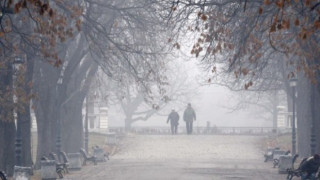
x=183, y=157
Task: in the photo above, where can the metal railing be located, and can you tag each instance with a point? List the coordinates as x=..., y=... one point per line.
x=203, y=130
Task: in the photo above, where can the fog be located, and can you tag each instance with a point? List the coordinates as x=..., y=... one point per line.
x=213, y=103
x=105, y=81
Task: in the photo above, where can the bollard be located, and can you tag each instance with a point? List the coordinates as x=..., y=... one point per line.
x=74, y=161
x=21, y=173
x=48, y=170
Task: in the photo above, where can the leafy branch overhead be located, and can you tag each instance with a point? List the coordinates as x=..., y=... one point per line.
x=39, y=25
x=243, y=35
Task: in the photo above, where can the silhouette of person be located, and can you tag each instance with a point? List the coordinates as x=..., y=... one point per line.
x=310, y=167
x=189, y=116
x=174, y=121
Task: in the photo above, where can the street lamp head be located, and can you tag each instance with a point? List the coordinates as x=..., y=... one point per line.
x=293, y=82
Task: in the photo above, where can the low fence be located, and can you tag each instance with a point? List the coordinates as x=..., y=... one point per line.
x=203, y=130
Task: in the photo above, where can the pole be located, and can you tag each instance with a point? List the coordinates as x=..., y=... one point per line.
x=293, y=122
x=58, y=124
x=18, y=139
x=58, y=136
x=86, y=133
x=18, y=143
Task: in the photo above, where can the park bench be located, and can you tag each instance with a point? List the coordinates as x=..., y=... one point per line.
x=59, y=167
x=3, y=175
x=100, y=154
x=292, y=172
x=269, y=154
x=86, y=157
x=65, y=161
x=276, y=155
x=64, y=165
x=296, y=172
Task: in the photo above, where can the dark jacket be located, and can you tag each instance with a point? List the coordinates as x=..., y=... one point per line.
x=189, y=114
x=173, y=118
x=310, y=166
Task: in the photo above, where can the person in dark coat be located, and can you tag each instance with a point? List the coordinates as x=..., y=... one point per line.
x=189, y=116
x=174, y=121
x=310, y=167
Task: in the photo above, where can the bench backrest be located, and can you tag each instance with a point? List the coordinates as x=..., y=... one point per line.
x=295, y=157
x=64, y=156
x=53, y=156
x=44, y=158
x=278, y=153
x=83, y=153
x=3, y=175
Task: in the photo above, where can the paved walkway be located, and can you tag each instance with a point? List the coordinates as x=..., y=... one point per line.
x=183, y=157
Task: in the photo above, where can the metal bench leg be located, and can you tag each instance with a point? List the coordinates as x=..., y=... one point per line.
x=59, y=172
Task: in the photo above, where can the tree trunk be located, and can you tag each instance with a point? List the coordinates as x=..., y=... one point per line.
x=275, y=103
x=25, y=118
x=72, y=126
x=303, y=116
x=46, y=139
x=46, y=107
x=73, y=138
x=127, y=123
x=2, y=141
x=46, y=114
x=7, y=148
x=25, y=123
x=7, y=125
x=317, y=120
x=10, y=130
x=313, y=119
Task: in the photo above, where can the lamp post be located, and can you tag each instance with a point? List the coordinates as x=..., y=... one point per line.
x=18, y=140
x=293, y=84
x=58, y=124
x=86, y=133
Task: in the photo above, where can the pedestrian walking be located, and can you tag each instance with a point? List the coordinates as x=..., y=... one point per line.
x=189, y=116
x=174, y=121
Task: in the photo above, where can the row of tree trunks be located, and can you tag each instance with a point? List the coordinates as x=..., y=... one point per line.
x=61, y=92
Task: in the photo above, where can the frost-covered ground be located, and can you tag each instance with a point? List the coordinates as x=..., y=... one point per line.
x=182, y=157
x=189, y=146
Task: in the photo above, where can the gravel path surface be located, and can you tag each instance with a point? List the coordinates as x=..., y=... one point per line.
x=183, y=157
